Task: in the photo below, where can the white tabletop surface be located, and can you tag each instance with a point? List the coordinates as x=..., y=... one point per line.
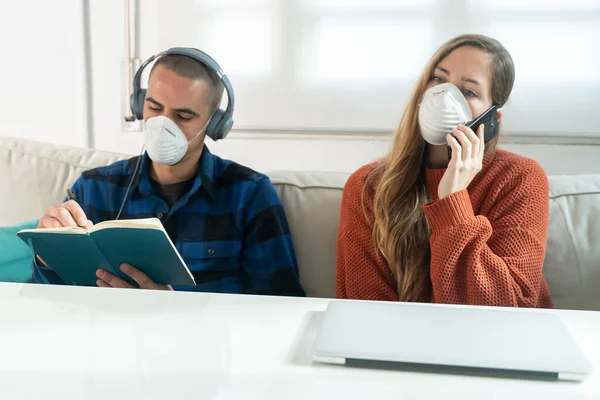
x=90, y=343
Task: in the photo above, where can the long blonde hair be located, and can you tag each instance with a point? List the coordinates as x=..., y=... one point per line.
x=400, y=230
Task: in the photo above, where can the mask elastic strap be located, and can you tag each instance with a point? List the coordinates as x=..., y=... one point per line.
x=201, y=130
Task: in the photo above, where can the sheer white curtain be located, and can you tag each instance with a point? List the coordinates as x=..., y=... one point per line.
x=349, y=65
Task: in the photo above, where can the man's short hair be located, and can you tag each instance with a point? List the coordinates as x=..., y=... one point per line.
x=193, y=69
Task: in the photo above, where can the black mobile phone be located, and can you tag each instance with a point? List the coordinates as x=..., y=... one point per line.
x=489, y=119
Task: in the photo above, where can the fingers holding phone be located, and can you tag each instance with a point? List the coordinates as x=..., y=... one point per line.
x=466, y=160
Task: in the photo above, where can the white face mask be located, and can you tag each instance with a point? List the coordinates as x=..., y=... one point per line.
x=164, y=141
x=442, y=109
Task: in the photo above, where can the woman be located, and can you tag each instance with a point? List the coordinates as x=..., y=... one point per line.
x=418, y=226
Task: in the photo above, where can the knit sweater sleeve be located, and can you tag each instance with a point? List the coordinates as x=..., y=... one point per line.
x=362, y=273
x=495, y=259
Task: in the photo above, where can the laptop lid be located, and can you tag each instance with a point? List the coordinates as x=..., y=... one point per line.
x=466, y=339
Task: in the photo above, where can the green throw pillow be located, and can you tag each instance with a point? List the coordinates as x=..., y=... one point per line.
x=15, y=256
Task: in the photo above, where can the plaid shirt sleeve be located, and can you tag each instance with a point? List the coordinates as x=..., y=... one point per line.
x=268, y=256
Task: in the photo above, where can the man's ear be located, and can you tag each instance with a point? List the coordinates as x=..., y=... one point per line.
x=499, y=114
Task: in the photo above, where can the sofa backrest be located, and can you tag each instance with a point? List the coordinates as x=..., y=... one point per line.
x=36, y=175
x=312, y=202
x=572, y=265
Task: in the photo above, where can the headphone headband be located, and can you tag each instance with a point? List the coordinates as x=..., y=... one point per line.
x=221, y=121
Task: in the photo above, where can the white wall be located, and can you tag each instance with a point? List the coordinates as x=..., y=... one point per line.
x=42, y=84
x=347, y=155
x=270, y=152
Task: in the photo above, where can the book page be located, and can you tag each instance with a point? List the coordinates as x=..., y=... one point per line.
x=145, y=223
x=64, y=230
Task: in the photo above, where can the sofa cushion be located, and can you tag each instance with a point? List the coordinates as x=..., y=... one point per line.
x=15, y=258
x=312, y=201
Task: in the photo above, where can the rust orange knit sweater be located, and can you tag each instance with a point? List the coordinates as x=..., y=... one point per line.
x=487, y=242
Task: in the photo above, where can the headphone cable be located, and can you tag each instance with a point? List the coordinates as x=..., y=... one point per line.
x=137, y=165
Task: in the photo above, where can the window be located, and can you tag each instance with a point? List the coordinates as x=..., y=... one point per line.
x=349, y=65
x=554, y=44
x=240, y=35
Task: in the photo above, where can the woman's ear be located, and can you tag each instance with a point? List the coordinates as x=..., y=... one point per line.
x=499, y=114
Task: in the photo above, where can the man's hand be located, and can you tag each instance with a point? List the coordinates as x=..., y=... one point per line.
x=106, y=279
x=67, y=214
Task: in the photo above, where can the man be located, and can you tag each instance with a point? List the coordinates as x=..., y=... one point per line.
x=226, y=220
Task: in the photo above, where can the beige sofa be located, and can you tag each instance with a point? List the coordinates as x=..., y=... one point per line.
x=35, y=176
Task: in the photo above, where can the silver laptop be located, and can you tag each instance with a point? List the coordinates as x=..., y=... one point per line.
x=433, y=338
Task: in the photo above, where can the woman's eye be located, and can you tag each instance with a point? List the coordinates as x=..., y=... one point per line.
x=154, y=109
x=437, y=79
x=181, y=117
x=470, y=93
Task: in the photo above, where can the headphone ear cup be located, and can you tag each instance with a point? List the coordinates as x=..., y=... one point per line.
x=137, y=103
x=140, y=104
x=225, y=128
x=214, y=125
x=132, y=105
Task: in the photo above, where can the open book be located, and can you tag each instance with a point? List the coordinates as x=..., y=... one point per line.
x=75, y=253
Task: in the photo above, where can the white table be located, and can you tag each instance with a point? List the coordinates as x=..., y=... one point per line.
x=90, y=343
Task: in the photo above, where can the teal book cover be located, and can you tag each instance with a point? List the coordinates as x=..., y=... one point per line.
x=75, y=254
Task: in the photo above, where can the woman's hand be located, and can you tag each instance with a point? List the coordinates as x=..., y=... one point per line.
x=466, y=161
